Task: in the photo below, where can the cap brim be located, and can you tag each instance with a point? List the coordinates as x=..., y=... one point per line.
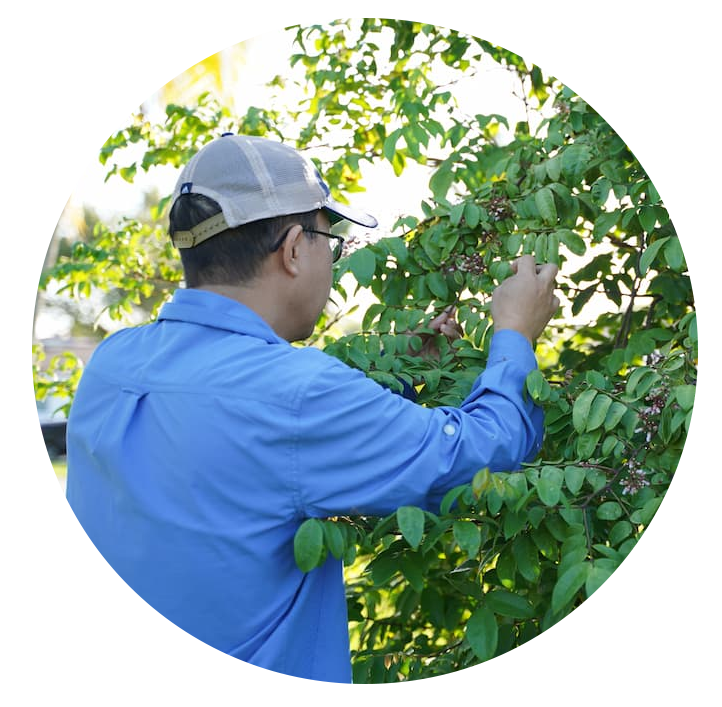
x=340, y=212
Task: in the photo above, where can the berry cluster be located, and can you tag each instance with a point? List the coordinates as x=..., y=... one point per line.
x=499, y=208
x=356, y=242
x=649, y=415
x=473, y=264
x=635, y=479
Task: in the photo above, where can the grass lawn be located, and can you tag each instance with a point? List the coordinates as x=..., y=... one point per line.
x=45, y=572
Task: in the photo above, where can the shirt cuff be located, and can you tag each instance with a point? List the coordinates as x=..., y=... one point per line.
x=510, y=345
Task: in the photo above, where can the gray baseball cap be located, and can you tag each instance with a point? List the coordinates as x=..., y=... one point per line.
x=253, y=178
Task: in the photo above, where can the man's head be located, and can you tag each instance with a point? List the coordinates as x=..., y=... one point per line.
x=247, y=212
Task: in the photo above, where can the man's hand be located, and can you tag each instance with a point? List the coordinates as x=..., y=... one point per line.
x=446, y=324
x=525, y=302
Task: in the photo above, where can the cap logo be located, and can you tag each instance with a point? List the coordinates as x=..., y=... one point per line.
x=186, y=187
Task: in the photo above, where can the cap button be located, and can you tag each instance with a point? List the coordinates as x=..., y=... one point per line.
x=224, y=134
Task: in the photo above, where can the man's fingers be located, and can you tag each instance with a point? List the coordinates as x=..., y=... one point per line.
x=438, y=321
x=547, y=272
x=451, y=329
x=524, y=265
x=446, y=316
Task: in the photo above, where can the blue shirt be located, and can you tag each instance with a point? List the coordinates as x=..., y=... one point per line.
x=199, y=443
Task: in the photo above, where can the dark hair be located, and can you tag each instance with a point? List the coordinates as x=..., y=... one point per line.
x=235, y=255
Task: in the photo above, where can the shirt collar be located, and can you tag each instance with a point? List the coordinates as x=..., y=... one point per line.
x=216, y=311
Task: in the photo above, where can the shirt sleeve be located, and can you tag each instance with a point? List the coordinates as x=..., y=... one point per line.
x=361, y=449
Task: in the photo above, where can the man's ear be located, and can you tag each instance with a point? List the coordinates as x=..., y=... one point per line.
x=290, y=250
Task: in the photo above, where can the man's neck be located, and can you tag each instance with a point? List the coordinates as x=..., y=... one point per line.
x=260, y=299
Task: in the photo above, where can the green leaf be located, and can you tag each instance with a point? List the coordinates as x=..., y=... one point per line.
x=411, y=524
x=610, y=510
x=472, y=214
x=540, y=248
x=604, y=223
x=549, y=485
x=685, y=396
x=334, y=539
x=468, y=537
x=450, y=497
x=640, y=381
x=441, y=182
x=620, y=531
x=362, y=264
x=506, y=603
x=580, y=411
x=573, y=241
x=482, y=633
x=647, y=216
x=537, y=386
x=553, y=248
x=481, y=481
x=673, y=255
x=650, y=254
x=308, y=544
x=527, y=558
x=574, y=478
x=544, y=200
x=574, y=161
x=648, y=604
x=663, y=579
x=644, y=515
x=600, y=191
x=691, y=423
x=568, y=584
x=614, y=416
x=554, y=168
x=412, y=568
x=382, y=569
x=604, y=595
x=128, y=173
x=456, y=213
x=437, y=284
x=598, y=411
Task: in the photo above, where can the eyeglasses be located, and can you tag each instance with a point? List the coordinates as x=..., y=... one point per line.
x=336, y=248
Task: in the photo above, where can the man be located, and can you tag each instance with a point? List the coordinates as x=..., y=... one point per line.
x=199, y=443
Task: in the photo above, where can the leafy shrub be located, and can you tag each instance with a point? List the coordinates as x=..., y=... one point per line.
x=509, y=554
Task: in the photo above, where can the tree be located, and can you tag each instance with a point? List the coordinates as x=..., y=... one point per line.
x=509, y=554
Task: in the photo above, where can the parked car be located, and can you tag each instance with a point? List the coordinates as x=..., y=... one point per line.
x=53, y=424
x=51, y=440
